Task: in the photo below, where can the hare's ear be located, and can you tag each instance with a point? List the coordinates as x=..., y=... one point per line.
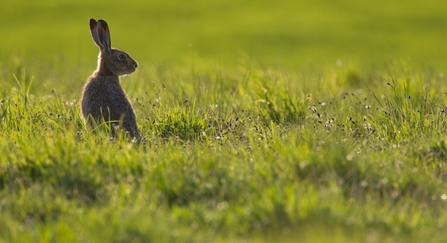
x=104, y=34
x=94, y=32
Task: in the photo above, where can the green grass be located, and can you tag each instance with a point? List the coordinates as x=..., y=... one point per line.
x=251, y=160
x=256, y=133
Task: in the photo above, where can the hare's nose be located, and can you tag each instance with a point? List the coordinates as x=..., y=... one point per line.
x=136, y=65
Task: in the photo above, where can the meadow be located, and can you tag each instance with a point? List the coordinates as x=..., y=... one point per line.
x=262, y=121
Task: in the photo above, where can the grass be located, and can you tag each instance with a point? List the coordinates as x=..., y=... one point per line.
x=310, y=132
x=283, y=34
x=344, y=163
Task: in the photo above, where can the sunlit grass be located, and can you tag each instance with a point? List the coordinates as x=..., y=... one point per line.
x=267, y=156
x=286, y=33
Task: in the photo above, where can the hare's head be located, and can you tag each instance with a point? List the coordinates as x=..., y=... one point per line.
x=111, y=61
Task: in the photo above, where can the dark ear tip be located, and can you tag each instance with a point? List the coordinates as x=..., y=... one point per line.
x=93, y=23
x=103, y=22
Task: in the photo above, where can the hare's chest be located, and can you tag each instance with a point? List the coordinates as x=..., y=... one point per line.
x=106, y=89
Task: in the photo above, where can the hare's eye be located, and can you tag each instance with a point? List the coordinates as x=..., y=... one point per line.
x=122, y=56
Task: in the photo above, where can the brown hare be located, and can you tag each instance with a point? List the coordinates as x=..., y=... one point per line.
x=103, y=97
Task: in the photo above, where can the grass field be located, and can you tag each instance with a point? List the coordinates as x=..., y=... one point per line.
x=285, y=121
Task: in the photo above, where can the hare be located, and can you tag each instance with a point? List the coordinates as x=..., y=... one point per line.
x=102, y=96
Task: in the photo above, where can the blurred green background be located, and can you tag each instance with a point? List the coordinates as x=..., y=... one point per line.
x=280, y=33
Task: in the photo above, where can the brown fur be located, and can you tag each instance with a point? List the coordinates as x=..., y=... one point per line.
x=103, y=96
